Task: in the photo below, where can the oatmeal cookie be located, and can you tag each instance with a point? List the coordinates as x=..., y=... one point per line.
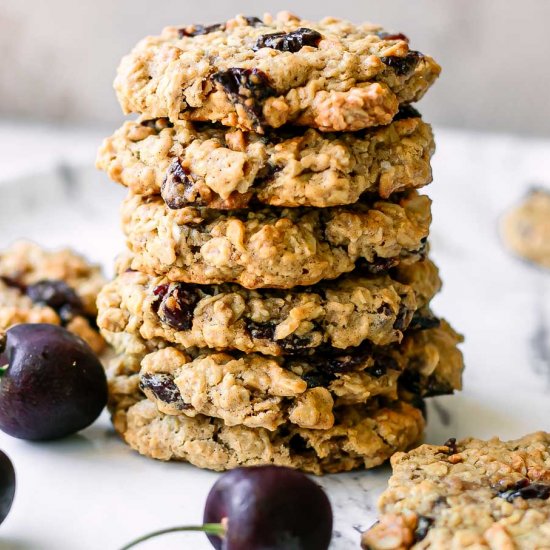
x=252, y=74
x=259, y=391
x=270, y=247
x=471, y=494
x=217, y=167
x=362, y=437
x=526, y=229
x=137, y=311
x=57, y=287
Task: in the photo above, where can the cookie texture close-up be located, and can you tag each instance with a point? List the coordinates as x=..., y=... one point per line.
x=526, y=228
x=361, y=436
x=470, y=494
x=260, y=391
x=56, y=287
x=253, y=74
x=139, y=311
x=226, y=168
x=269, y=247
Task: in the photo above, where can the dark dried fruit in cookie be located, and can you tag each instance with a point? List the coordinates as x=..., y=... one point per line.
x=422, y=320
x=175, y=304
x=406, y=111
x=381, y=366
x=59, y=296
x=451, y=444
x=403, y=318
x=12, y=282
x=526, y=490
x=157, y=124
x=346, y=361
x=197, y=30
x=411, y=380
x=405, y=65
x=289, y=42
x=266, y=174
x=253, y=21
x=378, y=265
x=178, y=189
x=163, y=387
x=392, y=36
x=248, y=87
x=266, y=331
x=422, y=527
x=318, y=378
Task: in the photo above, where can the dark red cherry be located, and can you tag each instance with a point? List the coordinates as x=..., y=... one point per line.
x=269, y=508
x=263, y=508
x=7, y=486
x=53, y=384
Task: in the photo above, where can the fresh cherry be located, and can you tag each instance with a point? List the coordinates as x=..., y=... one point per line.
x=7, y=486
x=263, y=508
x=52, y=385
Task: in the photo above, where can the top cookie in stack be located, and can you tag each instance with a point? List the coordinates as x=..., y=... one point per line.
x=253, y=74
x=273, y=306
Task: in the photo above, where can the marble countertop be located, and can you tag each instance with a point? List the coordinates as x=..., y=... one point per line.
x=91, y=492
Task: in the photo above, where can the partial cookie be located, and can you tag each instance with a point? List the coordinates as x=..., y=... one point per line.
x=279, y=248
x=138, y=312
x=40, y=286
x=254, y=74
x=227, y=168
x=361, y=437
x=526, y=229
x=471, y=494
x=259, y=391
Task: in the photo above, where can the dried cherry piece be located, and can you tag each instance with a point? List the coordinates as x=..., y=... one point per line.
x=178, y=189
x=392, y=36
x=318, y=378
x=266, y=331
x=289, y=42
x=424, y=321
x=197, y=30
x=525, y=489
x=175, y=304
x=253, y=21
x=403, y=66
x=157, y=124
x=248, y=87
x=59, y=296
x=163, y=387
x=451, y=444
x=406, y=111
x=422, y=527
x=12, y=282
x=403, y=318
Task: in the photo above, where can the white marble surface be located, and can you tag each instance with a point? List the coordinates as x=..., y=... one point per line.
x=91, y=492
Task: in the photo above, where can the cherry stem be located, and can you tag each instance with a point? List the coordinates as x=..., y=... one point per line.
x=216, y=529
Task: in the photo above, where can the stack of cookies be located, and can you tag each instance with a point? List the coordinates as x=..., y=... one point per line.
x=273, y=304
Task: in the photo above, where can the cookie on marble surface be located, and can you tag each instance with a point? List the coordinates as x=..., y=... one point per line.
x=205, y=165
x=259, y=391
x=361, y=437
x=471, y=494
x=137, y=311
x=271, y=247
x=57, y=287
x=526, y=228
x=254, y=74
